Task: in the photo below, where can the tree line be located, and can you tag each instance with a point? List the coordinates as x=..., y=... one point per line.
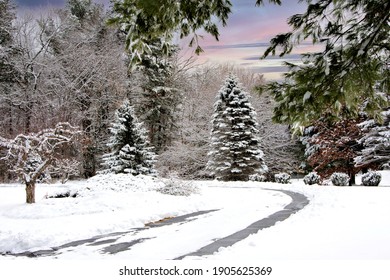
x=68, y=65
x=71, y=67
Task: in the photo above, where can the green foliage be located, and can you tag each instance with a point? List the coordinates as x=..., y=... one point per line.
x=351, y=74
x=335, y=83
x=158, y=97
x=146, y=20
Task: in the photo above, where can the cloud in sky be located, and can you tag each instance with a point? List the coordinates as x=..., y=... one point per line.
x=247, y=35
x=286, y=57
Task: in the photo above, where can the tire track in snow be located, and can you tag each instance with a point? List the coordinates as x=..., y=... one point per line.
x=299, y=201
x=114, y=247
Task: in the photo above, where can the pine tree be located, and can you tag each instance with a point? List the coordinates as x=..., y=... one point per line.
x=9, y=73
x=376, y=143
x=235, y=153
x=346, y=76
x=130, y=150
x=159, y=98
x=145, y=21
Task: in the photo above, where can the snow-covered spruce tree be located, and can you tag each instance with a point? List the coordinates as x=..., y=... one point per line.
x=235, y=153
x=375, y=142
x=130, y=150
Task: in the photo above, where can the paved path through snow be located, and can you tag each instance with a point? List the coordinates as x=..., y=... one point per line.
x=298, y=202
x=190, y=229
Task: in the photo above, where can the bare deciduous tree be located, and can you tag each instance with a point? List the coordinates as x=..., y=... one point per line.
x=31, y=154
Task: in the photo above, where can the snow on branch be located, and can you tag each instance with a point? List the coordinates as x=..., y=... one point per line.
x=30, y=155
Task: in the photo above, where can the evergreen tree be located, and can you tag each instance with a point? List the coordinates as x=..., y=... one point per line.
x=158, y=98
x=7, y=16
x=130, y=150
x=376, y=144
x=9, y=73
x=347, y=75
x=333, y=83
x=235, y=153
x=146, y=20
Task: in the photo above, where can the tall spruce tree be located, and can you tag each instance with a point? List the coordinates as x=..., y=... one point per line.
x=375, y=152
x=159, y=98
x=130, y=150
x=235, y=151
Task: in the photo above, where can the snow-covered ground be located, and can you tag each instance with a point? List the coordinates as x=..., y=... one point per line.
x=340, y=223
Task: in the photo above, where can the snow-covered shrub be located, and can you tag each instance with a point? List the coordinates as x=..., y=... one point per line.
x=340, y=179
x=121, y=182
x=68, y=193
x=385, y=166
x=178, y=188
x=371, y=178
x=257, y=178
x=312, y=178
x=326, y=182
x=282, y=178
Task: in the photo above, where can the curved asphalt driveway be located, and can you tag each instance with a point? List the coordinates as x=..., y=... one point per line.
x=299, y=201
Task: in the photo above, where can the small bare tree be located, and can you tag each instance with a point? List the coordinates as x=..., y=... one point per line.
x=30, y=155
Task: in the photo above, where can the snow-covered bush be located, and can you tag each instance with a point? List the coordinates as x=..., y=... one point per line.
x=312, y=178
x=257, y=178
x=385, y=166
x=65, y=194
x=122, y=182
x=340, y=179
x=326, y=182
x=371, y=178
x=282, y=178
x=178, y=188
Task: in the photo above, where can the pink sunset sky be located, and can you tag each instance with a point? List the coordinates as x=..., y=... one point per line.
x=241, y=42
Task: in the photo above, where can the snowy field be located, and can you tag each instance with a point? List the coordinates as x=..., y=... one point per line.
x=340, y=223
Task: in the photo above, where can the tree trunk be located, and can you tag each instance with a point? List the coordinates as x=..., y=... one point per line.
x=30, y=192
x=352, y=177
